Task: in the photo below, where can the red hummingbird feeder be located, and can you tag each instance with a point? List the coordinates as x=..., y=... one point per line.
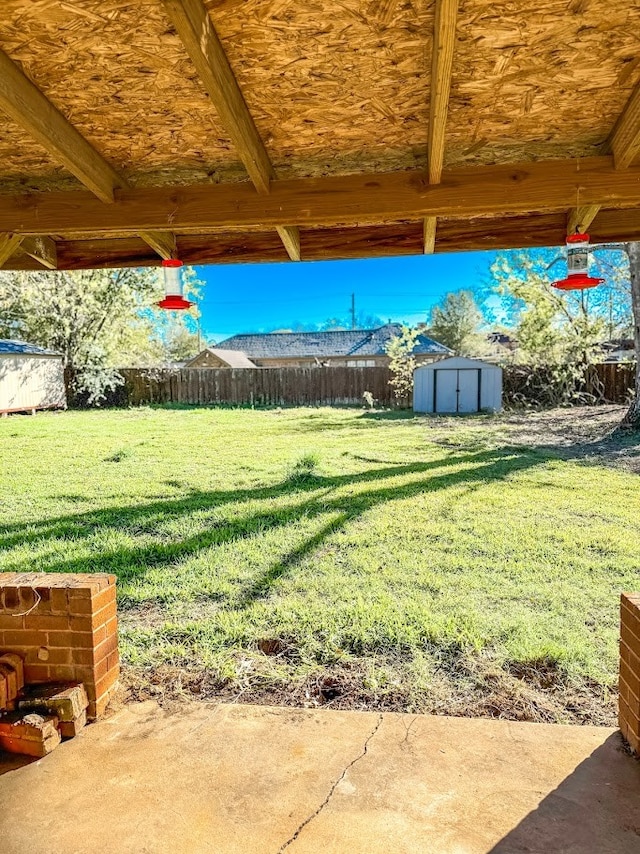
x=173, y=299
x=578, y=278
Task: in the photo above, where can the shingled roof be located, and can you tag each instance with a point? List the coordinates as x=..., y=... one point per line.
x=13, y=348
x=347, y=342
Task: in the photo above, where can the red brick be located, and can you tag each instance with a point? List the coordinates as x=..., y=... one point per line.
x=81, y=593
x=102, y=685
x=98, y=707
x=10, y=599
x=58, y=655
x=105, y=614
x=62, y=672
x=13, y=660
x=625, y=692
x=22, y=638
x=630, y=616
x=82, y=623
x=11, y=679
x=69, y=729
x=630, y=639
x=82, y=657
x=36, y=672
x=79, y=607
x=29, y=598
x=630, y=676
x=59, y=601
x=9, y=621
x=105, y=597
x=46, y=622
x=627, y=715
x=64, y=701
x=113, y=660
x=109, y=645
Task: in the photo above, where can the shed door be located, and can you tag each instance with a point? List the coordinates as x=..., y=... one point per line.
x=457, y=390
x=468, y=390
x=445, y=391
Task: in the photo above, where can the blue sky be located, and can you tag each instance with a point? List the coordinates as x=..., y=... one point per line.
x=262, y=297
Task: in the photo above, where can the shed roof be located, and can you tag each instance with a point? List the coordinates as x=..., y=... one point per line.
x=13, y=348
x=232, y=358
x=459, y=363
x=347, y=342
x=268, y=130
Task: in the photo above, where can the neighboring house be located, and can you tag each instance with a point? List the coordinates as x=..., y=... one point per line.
x=619, y=350
x=30, y=378
x=345, y=347
x=499, y=347
x=214, y=357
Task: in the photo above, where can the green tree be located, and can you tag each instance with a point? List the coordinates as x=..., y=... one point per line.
x=98, y=320
x=402, y=362
x=456, y=321
x=561, y=327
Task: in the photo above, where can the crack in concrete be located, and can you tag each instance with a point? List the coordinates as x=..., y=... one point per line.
x=313, y=815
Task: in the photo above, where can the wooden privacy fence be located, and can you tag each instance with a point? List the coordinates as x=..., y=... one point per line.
x=255, y=386
x=612, y=383
x=315, y=386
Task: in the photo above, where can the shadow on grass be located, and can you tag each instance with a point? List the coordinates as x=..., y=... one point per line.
x=313, y=497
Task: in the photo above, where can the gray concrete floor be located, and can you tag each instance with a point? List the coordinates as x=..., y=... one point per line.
x=226, y=779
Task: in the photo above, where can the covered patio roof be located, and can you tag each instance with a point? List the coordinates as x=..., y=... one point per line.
x=274, y=130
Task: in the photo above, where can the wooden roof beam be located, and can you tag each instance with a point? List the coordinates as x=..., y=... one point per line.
x=369, y=241
x=624, y=143
x=202, y=43
x=444, y=39
x=330, y=201
x=21, y=99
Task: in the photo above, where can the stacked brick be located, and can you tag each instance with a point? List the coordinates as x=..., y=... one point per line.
x=65, y=628
x=11, y=679
x=45, y=714
x=629, y=714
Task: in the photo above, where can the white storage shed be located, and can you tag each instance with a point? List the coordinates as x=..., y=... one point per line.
x=30, y=378
x=457, y=385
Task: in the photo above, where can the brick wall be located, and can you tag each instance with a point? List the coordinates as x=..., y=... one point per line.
x=629, y=716
x=66, y=628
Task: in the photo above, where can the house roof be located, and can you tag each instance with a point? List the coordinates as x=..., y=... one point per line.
x=347, y=342
x=12, y=348
x=502, y=123
x=232, y=358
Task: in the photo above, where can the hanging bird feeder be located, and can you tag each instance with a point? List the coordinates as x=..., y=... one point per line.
x=578, y=278
x=173, y=299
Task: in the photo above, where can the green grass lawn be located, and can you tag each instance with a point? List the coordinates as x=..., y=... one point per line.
x=317, y=555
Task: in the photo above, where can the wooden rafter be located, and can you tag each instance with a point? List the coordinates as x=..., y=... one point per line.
x=41, y=249
x=21, y=99
x=331, y=201
x=624, y=141
x=8, y=244
x=624, y=144
x=444, y=38
x=201, y=41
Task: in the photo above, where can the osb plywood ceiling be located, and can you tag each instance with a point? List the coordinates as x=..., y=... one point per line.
x=230, y=130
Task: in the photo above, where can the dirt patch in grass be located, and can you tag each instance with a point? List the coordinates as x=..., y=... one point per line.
x=469, y=687
x=587, y=433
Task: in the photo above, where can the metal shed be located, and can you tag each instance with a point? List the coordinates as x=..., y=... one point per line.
x=457, y=385
x=30, y=378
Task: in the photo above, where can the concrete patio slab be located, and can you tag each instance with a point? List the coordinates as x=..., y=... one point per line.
x=227, y=779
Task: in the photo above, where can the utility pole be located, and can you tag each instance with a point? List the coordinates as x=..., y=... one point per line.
x=353, y=311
